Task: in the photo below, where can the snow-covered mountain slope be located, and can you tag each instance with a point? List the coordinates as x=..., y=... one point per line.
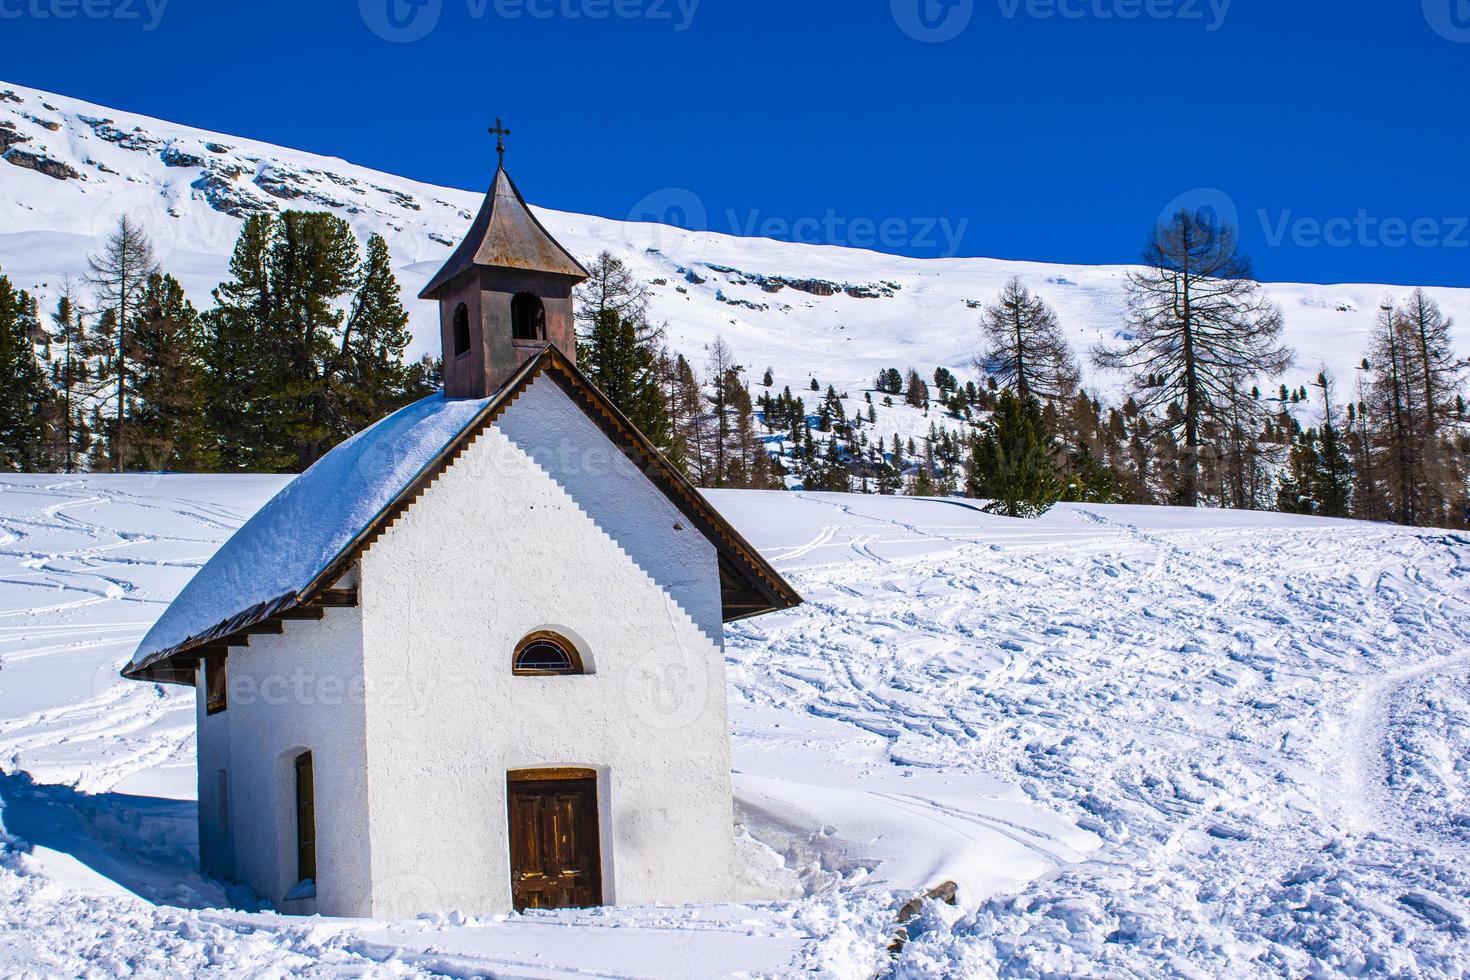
x=840, y=313
x=1143, y=741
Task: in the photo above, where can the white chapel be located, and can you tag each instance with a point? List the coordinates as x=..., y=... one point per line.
x=473, y=658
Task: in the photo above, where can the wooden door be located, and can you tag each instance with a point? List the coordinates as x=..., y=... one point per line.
x=555, y=856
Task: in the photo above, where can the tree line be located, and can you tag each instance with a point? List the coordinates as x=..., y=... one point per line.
x=1195, y=427
x=300, y=348
x=304, y=345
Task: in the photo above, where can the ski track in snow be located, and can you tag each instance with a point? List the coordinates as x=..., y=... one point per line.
x=1144, y=742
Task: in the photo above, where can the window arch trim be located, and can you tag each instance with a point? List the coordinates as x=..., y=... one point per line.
x=537, y=643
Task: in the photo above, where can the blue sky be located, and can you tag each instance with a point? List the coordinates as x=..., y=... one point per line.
x=1053, y=130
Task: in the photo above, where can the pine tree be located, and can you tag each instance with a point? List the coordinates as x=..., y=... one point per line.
x=1012, y=464
x=71, y=379
x=368, y=377
x=25, y=394
x=305, y=343
x=238, y=355
x=916, y=393
x=1332, y=483
x=166, y=407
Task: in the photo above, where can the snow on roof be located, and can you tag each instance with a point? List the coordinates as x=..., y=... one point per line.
x=298, y=534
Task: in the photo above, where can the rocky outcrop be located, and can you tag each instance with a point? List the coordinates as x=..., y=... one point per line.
x=228, y=197
x=138, y=139
x=814, y=287
x=172, y=156
x=10, y=136
x=9, y=96
x=41, y=164
x=290, y=187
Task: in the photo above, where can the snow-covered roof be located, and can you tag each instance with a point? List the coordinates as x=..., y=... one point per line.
x=289, y=554
x=300, y=532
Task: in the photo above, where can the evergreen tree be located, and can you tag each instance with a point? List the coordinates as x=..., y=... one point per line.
x=620, y=355
x=304, y=345
x=71, y=379
x=368, y=377
x=25, y=394
x=916, y=393
x=1012, y=465
x=166, y=408
x=1332, y=481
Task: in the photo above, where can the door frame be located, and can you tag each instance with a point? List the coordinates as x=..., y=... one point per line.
x=555, y=774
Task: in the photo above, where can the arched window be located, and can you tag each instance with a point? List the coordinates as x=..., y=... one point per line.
x=461, y=330
x=546, y=655
x=305, y=819
x=527, y=317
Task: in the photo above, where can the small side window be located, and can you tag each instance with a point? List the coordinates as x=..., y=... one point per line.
x=305, y=819
x=217, y=686
x=461, y=330
x=546, y=655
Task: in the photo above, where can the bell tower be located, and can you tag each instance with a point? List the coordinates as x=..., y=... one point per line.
x=504, y=294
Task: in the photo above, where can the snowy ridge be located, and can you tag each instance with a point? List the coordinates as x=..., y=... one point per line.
x=1145, y=742
x=840, y=313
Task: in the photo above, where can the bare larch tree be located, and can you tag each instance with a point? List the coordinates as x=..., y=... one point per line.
x=119, y=274
x=1024, y=348
x=1199, y=325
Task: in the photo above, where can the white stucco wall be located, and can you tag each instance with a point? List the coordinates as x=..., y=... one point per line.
x=302, y=690
x=543, y=524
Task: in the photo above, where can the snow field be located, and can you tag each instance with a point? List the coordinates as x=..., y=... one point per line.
x=1145, y=742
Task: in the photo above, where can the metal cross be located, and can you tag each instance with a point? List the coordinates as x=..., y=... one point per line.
x=500, y=133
